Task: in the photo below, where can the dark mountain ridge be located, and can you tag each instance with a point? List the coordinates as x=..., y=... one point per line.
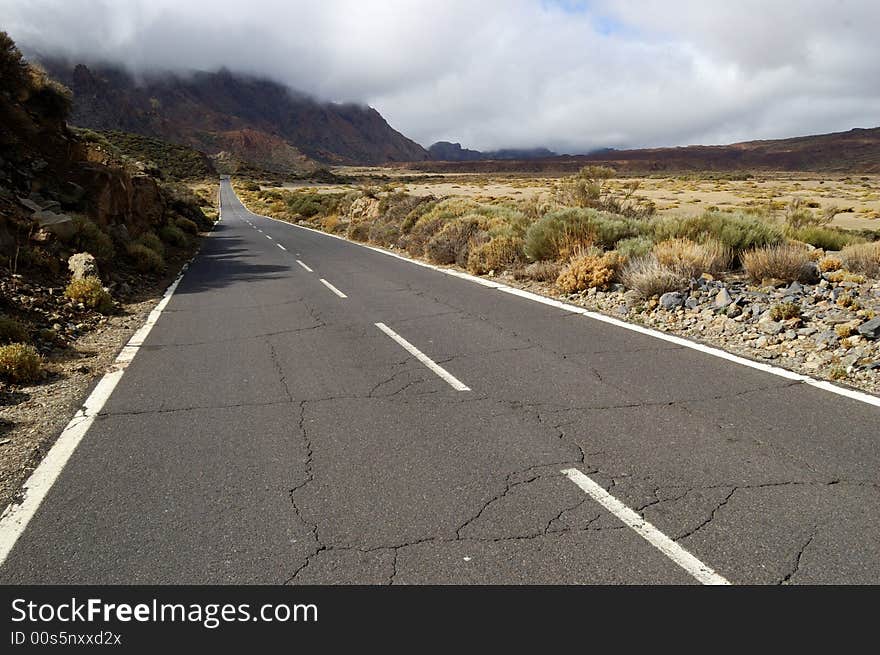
x=446, y=151
x=854, y=151
x=252, y=119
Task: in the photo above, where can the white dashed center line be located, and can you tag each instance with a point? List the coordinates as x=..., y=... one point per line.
x=304, y=266
x=454, y=382
x=280, y=246
x=333, y=289
x=703, y=573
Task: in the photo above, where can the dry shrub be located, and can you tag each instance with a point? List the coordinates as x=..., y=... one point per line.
x=784, y=311
x=589, y=269
x=691, y=259
x=19, y=363
x=786, y=262
x=90, y=292
x=863, y=257
x=358, y=231
x=330, y=223
x=450, y=244
x=829, y=263
x=541, y=271
x=497, y=254
x=649, y=277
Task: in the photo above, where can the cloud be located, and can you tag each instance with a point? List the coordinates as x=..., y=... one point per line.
x=512, y=73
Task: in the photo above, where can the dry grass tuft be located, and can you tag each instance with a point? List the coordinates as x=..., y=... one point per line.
x=784, y=262
x=544, y=271
x=863, y=258
x=649, y=277
x=691, y=259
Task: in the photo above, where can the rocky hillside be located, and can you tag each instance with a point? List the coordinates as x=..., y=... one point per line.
x=855, y=151
x=70, y=202
x=235, y=118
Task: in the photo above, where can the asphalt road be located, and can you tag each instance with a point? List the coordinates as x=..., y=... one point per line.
x=269, y=432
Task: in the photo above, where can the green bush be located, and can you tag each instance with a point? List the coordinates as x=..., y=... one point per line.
x=90, y=292
x=736, y=231
x=173, y=235
x=152, y=242
x=558, y=233
x=634, y=247
x=827, y=238
x=187, y=225
x=92, y=239
x=19, y=363
x=145, y=259
x=12, y=331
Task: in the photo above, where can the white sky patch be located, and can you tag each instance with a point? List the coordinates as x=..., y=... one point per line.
x=571, y=76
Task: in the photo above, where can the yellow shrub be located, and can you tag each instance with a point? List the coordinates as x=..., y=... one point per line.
x=587, y=270
x=830, y=263
x=19, y=363
x=844, y=275
x=90, y=292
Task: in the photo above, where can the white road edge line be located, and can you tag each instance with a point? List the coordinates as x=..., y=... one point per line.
x=852, y=394
x=280, y=246
x=454, y=382
x=700, y=571
x=17, y=515
x=304, y=266
x=333, y=289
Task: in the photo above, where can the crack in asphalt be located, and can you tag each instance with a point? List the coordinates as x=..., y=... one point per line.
x=159, y=346
x=273, y=354
x=786, y=579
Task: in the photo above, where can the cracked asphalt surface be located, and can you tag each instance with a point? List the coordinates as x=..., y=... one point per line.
x=268, y=432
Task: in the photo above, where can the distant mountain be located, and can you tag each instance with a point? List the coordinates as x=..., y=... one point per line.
x=233, y=117
x=446, y=151
x=857, y=150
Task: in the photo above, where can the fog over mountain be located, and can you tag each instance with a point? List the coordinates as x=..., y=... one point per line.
x=567, y=75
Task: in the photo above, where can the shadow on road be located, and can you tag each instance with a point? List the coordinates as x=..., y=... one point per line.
x=225, y=261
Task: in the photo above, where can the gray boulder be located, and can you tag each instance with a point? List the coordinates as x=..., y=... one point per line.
x=723, y=298
x=871, y=329
x=671, y=300
x=61, y=225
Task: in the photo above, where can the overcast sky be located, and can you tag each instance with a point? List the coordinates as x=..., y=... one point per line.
x=564, y=74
